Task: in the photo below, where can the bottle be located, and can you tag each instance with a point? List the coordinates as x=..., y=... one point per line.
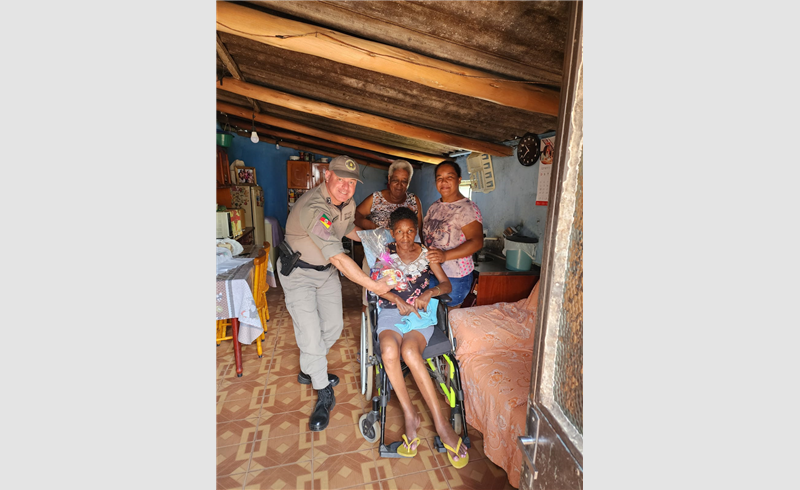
x=291, y=196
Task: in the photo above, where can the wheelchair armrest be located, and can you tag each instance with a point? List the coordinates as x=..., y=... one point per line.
x=372, y=298
x=444, y=298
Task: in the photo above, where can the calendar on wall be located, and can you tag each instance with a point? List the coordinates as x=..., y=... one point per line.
x=545, y=167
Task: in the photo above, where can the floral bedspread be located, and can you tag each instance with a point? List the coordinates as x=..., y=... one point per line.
x=495, y=353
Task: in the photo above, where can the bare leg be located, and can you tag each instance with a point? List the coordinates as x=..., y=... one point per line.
x=412, y=347
x=390, y=355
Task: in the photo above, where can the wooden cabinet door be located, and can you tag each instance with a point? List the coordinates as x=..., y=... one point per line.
x=223, y=169
x=317, y=173
x=496, y=289
x=298, y=174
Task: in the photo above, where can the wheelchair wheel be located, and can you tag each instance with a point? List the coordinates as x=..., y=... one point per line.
x=366, y=354
x=370, y=432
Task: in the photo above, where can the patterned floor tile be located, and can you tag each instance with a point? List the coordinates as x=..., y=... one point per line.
x=233, y=459
x=281, y=423
x=286, y=384
x=286, y=341
x=477, y=475
x=228, y=411
x=376, y=485
x=231, y=482
x=222, y=368
x=428, y=480
x=344, y=414
x=341, y=439
x=277, y=434
x=285, y=363
x=242, y=389
x=289, y=477
x=225, y=351
x=278, y=451
x=349, y=394
x=254, y=369
x=344, y=470
x=289, y=401
x=236, y=432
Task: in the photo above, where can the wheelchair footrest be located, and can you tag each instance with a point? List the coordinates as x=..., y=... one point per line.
x=390, y=451
x=437, y=444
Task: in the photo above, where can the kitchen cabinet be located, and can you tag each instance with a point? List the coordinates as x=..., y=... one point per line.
x=496, y=284
x=317, y=174
x=223, y=169
x=301, y=174
x=298, y=174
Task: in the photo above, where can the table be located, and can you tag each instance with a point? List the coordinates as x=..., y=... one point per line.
x=496, y=284
x=235, y=299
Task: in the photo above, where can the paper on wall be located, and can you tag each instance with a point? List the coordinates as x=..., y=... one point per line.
x=545, y=168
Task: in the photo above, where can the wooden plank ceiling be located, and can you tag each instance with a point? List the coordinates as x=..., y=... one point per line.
x=386, y=80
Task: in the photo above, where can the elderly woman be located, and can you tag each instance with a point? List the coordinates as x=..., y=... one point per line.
x=374, y=211
x=453, y=231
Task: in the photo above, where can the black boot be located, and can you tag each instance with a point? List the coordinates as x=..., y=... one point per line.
x=322, y=411
x=305, y=379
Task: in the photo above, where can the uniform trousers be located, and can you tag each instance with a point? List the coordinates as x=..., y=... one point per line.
x=314, y=301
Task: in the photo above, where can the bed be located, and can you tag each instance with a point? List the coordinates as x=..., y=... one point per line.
x=495, y=353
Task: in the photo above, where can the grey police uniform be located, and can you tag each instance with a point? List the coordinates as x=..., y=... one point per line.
x=315, y=228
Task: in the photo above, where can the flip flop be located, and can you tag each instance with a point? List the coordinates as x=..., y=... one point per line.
x=408, y=453
x=462, y=462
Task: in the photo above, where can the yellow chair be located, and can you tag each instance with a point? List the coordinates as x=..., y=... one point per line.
x=260, y=288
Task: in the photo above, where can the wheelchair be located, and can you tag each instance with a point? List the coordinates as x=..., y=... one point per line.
x=442, y=367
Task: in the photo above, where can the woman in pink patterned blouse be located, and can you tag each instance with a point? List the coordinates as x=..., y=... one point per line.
x=453, y=231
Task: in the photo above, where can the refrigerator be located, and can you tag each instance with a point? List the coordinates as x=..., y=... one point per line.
x=251, y=199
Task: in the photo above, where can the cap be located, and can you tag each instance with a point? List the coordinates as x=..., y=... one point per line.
x=345, y=167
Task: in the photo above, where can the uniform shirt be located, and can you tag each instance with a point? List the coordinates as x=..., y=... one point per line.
x=315, y=227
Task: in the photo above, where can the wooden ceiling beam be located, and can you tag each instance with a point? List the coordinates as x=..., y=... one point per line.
x=330, y=111
x=342, y=48
x=398, y=24
x=232, y=67
x=240, y=111
x=298, y=138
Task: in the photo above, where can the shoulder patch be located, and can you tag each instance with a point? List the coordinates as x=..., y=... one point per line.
x=322, y=226
x=325, y=220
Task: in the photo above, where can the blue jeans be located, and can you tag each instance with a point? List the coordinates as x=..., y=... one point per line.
x=461, y=287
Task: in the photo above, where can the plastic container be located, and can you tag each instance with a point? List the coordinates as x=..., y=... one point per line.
x=224, y=140
x=517, y=260
x=518, y=250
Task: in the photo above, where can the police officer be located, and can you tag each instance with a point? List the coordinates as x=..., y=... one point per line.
x=314, y=229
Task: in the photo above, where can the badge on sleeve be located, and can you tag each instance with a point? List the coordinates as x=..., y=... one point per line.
x=322, y=226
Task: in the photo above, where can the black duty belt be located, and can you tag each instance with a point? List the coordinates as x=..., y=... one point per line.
x=305, y=265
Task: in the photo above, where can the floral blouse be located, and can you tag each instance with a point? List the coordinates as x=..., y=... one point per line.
x=381, y=208
x=442, y=228
x=418, y=274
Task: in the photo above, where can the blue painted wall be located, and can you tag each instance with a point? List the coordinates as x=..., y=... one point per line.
x=270, y=165
x=512, y=202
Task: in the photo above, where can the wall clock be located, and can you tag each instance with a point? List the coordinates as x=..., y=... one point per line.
x=529, y=149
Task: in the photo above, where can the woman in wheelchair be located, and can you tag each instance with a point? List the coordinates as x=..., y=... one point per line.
x=395, y=305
